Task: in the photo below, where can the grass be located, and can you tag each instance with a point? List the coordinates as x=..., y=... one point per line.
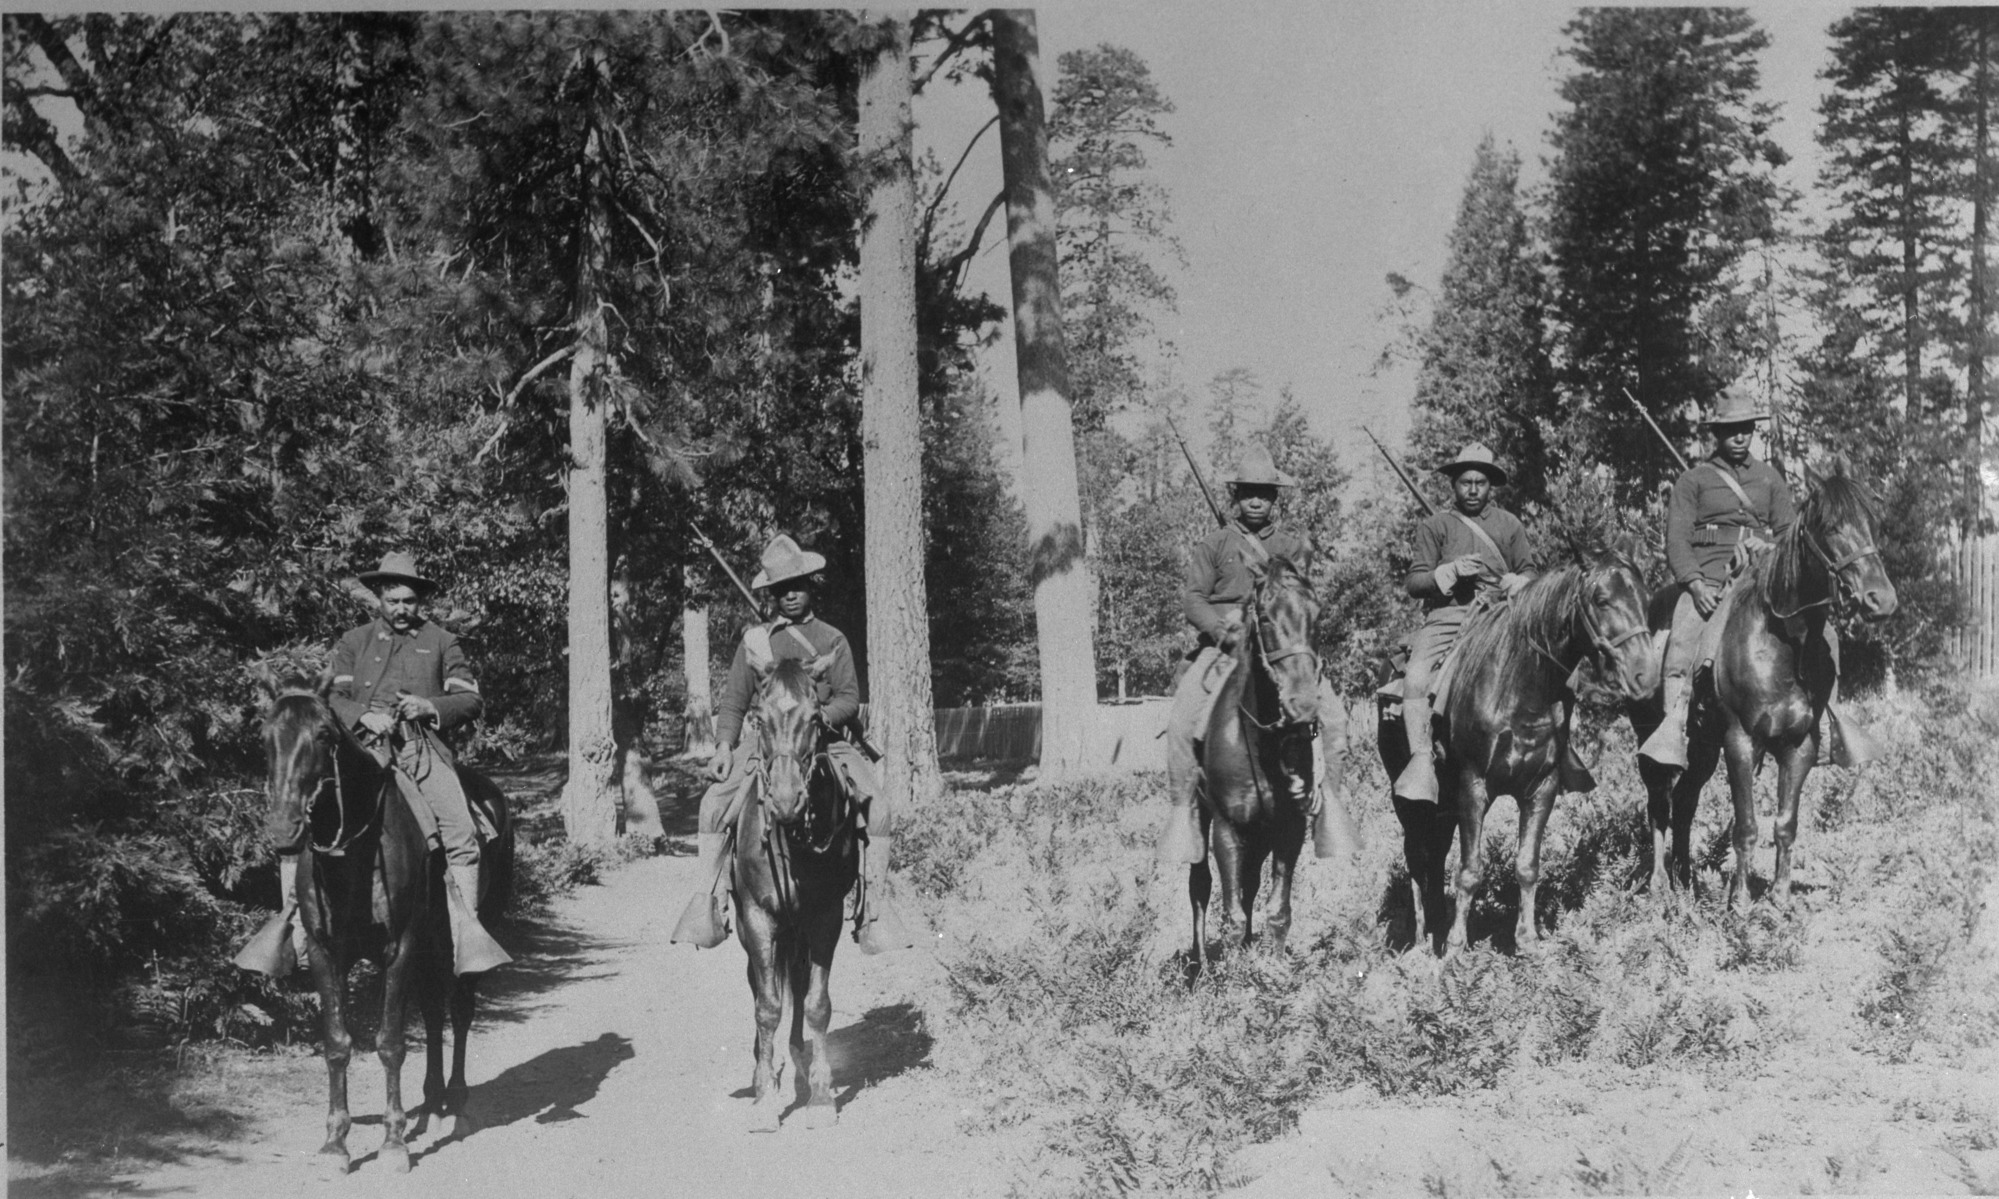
x=1066, y=1010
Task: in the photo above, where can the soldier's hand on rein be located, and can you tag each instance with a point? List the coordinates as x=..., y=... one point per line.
x=415, y=709
x=378, y=723
x=718, y=766
x=1511, y=582
x=1706, y=595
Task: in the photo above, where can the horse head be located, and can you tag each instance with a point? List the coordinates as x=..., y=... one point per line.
x=1281, y=610
x=1613, y=599
x=1836, y=523
x=301, y=744
x=788, y=714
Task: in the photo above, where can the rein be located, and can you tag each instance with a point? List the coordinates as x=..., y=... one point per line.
x=777, y=839
x=1840, y=590
x=1269, y=655
x=344, y=837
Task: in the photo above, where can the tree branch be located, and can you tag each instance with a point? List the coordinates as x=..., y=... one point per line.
x=956, y=265
x=538, y=369
x=25, y=128
x=930, y=213
x=957, y=41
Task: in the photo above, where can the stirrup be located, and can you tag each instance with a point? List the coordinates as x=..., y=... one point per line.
x=1418, y=781
x=705, y=922
x=270, y=951
x=1180, y=842
x=884, y=931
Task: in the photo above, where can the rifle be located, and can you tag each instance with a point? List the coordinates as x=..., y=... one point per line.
x=1654, y=426
x=722, y=562
x=1207, y=495
x=1429, y=508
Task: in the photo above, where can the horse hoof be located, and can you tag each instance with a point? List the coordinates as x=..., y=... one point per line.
x=419, y=1123
x=819, y=1115
x=763, y=1118
x=463, y=1126
x=396, y=1158
x=334, y=1163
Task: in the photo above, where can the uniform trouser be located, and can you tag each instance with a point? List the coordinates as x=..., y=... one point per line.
x=722, y=803
x=427, y=776
x=1187, y=722
x=1683, y=646
x=1428, y=648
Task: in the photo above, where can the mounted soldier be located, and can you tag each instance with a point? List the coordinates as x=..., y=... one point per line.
x=1460, y=558
x=1722, y=509
x=1221, y=573
x=400, y=683
x=791, y=575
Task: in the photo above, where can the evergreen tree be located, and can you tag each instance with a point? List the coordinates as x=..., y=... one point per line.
x=1484, y=373
x=1113, y=218
x=1661, y=175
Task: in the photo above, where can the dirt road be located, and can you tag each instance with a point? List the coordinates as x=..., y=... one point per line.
x=608, y=1062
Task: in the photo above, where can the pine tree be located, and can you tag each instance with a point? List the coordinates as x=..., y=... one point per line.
x=1484, y=373
x=1661, y=176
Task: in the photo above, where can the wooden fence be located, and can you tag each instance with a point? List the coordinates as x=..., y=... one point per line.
x=1978, y=577
x=1122, y=737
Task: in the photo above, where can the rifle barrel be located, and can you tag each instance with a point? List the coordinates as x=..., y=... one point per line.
x=1194, y=466
x=1654, y=426
x=1401, y=474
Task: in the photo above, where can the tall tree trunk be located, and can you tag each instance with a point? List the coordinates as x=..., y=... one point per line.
x=1981, y=214
x=590, y=809
x=1912, y=330
x=1048, y=440
x=892, y=430
x=699, y=715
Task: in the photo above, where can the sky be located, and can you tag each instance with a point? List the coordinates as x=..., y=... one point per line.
x=1316, y=148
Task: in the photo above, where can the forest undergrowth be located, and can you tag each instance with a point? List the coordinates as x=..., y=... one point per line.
x=1069, y=1015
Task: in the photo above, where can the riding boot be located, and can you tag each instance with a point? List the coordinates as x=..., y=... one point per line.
x=1418, y=780
x=877, y=927
x=1852, y=746
x=288, y=901
x=473, y=950
x=1333, y=832
x=705, y=922
x=1667, y=746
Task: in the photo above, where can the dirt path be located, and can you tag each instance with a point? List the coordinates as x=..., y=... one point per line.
x=607, y=1061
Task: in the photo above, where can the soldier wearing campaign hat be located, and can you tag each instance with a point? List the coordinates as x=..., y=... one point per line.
x=1471, y=551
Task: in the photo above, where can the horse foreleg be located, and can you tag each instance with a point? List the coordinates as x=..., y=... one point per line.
x=1527, y=861
x=814, y=998
x=1740, y=752
x=430, y=1000
x=1283, y=867
x=768, y=982
x=1464, y=792
x=1794, y=763
x=1658, y=782
x=1200, y=890
x=1703, y=755
x=391, y=1045
x=464, y=999
x=332, y=987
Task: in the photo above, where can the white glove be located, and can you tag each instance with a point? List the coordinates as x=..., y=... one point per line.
x=1510, y=582
x=1446, y=575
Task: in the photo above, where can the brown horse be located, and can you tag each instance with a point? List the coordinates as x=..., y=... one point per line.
x=1503, y=728
x=1256, y=757
x=798, y=854
x=370, y=886
x=1773, y=676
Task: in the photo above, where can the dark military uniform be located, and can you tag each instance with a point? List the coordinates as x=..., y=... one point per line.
x=372, y=666
x=839, y=706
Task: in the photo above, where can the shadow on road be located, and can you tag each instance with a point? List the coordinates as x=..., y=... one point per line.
x=550, y=1087
x=888, y=1041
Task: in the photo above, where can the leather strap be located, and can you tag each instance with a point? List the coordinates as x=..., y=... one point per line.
x=1255, y=543
x=1741, y=496
x=1477, y=530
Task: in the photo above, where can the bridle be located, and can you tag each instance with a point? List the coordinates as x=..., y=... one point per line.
x=1841, y=590
x=1255, y=632
x=344, y=836
x=809, y=833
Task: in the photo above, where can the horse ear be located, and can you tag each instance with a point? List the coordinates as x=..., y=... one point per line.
x=1627, y=547
x=264, y=680
x=325, y=687
x=1813, y=475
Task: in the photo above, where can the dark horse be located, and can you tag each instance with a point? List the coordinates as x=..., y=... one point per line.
x=1503, y=728
x=370, y=886
x=797, y=856
x=1256, y=756
x=1773, y=676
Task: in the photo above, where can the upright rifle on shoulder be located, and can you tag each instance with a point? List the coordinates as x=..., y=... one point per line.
x=1664, y=440
x=1429, y=509
x=1220, y=518
x=749, y=596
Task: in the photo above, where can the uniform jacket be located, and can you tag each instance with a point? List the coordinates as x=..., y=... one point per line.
x=1219, y=575
x=1442, y=537
x=1705, y=521
x=839, y=690
x=373, y=663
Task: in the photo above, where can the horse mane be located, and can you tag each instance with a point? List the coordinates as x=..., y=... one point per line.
x=1287, y=575
x=1548, y=606
x=1838, y=500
